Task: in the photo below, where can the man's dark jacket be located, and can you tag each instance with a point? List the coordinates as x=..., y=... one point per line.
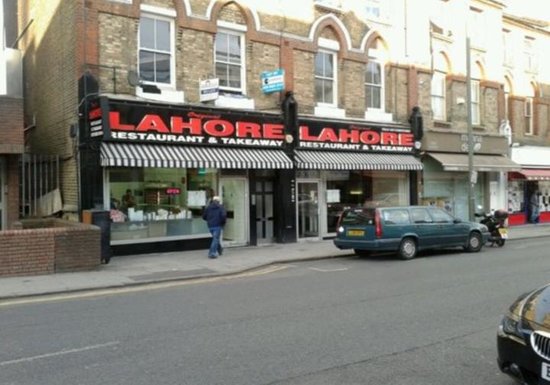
x=214, y=215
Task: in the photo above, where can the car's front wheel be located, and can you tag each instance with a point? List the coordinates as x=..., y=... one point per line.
x=474, y=242
x=407, y=248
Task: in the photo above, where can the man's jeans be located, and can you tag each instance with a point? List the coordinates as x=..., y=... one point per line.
x=215, y=246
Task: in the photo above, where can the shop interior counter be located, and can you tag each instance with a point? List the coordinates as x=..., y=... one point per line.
x=142, y=230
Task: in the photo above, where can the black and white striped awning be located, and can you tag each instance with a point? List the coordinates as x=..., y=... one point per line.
x=168, y=156
x=325, y=160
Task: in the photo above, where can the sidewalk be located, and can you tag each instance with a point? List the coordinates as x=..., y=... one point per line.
x=130, y=270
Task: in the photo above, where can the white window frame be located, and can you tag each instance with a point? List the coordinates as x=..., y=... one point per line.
x=476, y=101
x=528, y=112
x=438, y=95
x=238, y=31
x=165, y=15
x=334, y=79
x=379, y=85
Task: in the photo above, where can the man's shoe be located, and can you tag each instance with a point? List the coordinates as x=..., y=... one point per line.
x=220, y=251
x=212, y=257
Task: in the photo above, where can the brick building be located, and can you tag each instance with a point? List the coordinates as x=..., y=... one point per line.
x=120, y=90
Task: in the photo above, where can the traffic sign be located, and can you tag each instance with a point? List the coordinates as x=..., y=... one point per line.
x=273, y=81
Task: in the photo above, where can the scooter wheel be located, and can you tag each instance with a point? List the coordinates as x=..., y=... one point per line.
x=500, y=242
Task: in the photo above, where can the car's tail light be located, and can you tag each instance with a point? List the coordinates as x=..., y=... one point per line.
x=339, y=221
x=377, y=224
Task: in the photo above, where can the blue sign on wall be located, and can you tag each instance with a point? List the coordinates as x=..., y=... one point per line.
x=273, y=81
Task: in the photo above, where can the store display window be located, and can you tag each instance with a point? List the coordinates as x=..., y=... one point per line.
x=347, y=189
x=148, y=203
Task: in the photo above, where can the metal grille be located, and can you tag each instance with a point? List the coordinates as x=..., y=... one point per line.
x=540, y=341
x=39, y=175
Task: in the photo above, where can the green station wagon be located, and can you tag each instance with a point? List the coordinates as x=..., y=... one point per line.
x=406, y=230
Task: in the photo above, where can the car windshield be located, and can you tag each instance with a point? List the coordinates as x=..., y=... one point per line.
x=359, y=216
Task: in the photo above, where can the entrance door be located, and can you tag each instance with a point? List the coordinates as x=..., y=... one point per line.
x=308, y=209
x=235, y=200
x=264, y=210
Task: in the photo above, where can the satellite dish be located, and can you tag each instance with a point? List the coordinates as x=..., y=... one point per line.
x=133, y=78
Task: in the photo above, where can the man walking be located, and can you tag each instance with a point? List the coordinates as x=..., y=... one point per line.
x=215, y=217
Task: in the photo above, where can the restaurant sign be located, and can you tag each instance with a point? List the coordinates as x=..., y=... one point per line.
x=191, y=125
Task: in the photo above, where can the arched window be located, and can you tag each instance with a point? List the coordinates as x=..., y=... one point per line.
x=529, y=125
x=438, y=87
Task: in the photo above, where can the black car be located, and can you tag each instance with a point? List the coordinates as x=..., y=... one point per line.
x=523, y=338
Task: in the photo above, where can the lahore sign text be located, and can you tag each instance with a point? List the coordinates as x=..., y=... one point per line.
x=148, y=124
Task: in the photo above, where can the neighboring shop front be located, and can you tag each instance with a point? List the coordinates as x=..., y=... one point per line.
x=533, y=178
x=446, y=179
x=171, y=160
x=342, y=164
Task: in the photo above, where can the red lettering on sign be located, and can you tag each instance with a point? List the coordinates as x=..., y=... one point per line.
x=370, y=137
x=304, y=134
x=407, y=140
x=248, y=129
x=389, y=138
x=114, y=122
x=328, y=135
x=274, y=131
x=225, y=128
x=348, y=136
x=179, y=126
x=152, y=123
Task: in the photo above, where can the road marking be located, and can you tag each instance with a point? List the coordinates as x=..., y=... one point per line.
x=328, y=270
x=59, y=353
x=137, y=288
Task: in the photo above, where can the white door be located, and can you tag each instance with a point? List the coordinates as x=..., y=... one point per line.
x=234, y=194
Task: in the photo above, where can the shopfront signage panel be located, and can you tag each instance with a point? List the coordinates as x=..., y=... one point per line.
x=191, y=125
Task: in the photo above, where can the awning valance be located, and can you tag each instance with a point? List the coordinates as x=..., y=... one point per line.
x=459, y=162
x=326, y=160
x=532, y=174
x=154, y=155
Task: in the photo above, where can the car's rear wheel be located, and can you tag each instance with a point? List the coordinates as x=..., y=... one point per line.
x=407, y=248
x=474, y=242
x=362, y=253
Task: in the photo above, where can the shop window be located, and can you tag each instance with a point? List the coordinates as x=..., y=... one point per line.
x=363, y=188
x=156, y=50
x=229, y=58
x=160, y=203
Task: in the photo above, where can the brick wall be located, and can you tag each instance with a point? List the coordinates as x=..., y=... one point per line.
x=52, y=248
x=11, y=129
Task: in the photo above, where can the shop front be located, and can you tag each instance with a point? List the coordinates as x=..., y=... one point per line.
x=446, y=181
x=155, y=166
x=530, y=185
x=342, y=164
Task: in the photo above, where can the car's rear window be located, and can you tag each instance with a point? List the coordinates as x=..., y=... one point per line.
x=358, y=216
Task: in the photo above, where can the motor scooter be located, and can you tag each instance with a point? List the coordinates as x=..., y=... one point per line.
x=497, y=223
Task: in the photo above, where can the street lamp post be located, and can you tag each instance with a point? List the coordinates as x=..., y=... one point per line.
x=472, y=175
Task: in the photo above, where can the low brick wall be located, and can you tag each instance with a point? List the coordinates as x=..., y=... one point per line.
x=46, y=246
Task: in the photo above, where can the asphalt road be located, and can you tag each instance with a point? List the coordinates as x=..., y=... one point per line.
x=431, y=320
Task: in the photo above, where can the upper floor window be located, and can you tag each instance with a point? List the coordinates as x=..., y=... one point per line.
x=529, y=124
x=477, y=27
x=373, y=85
x=475, y=84
x=325, y=78
x=529, y=54
x=508, y=48
x=229, y=58
x=438, y=88
x=156, y=49
x=335, y=4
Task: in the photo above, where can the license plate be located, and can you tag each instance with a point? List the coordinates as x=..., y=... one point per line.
x=545, y=371
x=503, y=233
x=356, y=233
